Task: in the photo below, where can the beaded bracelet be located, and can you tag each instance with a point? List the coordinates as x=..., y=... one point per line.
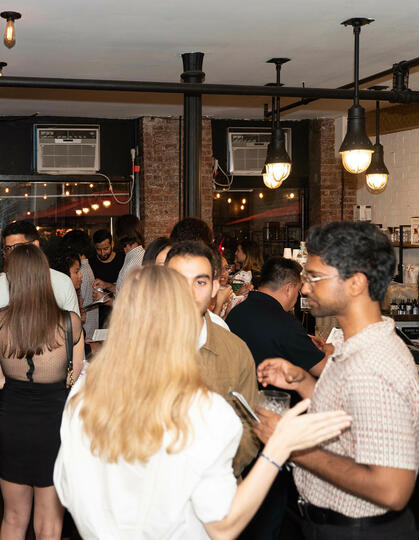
x=280, y=468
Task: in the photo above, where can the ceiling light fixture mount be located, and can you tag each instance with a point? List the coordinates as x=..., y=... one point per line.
x=278, y=163
x=10, y=32
x=377, y=173
x=356, y=149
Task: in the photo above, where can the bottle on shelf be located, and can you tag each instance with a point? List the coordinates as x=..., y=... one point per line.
x=415, y=307
x=302, y=256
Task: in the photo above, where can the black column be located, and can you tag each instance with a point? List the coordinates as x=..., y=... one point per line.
x=192, y=63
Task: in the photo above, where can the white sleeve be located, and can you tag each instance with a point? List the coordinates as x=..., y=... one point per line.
x=4, y=290
x=64, y=291
x=212, y=498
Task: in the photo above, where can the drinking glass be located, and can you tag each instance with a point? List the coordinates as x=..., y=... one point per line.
x=274, y=401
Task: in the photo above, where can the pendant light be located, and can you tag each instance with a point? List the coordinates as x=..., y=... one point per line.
x=10, y=32
x=269, y=180
x=278, y=163
x=377, y=174
x=356, y=149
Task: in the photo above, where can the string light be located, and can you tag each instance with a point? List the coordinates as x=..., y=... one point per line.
x=91, y=185
x=106, y=203
x=26, y=194
x=6, y=190
x=261, y=195
x=86, y=210
x=243, y=201
x=45, y=196
x=242, y=207
x=229, y=200
x=28, y=213
x=95, y=206
x=67, y=193
x=217, y=195
x=79, y=212
x=45, y=185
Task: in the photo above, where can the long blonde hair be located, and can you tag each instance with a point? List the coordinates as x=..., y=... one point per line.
x=144, y=378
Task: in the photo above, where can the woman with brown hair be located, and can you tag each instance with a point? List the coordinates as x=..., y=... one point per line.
x=154, y=445
x=35, y=363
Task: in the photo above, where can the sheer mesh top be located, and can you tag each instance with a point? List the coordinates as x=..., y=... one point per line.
x=48, y=367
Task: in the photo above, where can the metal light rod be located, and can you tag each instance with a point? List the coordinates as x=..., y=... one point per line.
x=409, y=96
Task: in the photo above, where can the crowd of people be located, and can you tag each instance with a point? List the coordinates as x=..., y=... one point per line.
x=139, y=436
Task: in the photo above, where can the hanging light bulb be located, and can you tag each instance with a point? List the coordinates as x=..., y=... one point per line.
x=377, y=174
x=91, y=186
x=78, y=212
x=229, y=200
x=107, y=203
x=45, y=196
x=218, y=195
x=86, y=210
x=278, y=162
x=242, y=207
x=10, y=32
x=356, y=149
x=6, y=190
x=244, y=201
x=269, y=180
x=95, y=206
x=261, y=195
x=67, y=193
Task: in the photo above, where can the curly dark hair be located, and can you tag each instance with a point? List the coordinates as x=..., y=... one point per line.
x=24, y=227
x=355, y=247
x=191, y=228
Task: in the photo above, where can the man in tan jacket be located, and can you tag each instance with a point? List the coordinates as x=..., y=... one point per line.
x=225, y=361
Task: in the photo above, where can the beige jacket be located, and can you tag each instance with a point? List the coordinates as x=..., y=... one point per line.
x=227, y=364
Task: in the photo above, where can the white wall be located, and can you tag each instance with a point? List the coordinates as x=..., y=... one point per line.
x=400, y=199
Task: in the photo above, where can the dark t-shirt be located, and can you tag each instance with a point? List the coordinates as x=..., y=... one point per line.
x=107, y=271
x=271, y=332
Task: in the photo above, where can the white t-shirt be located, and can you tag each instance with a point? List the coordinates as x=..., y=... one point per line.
x=62, y=285
x=169, y=498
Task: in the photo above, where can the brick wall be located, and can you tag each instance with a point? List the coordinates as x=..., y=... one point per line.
x=325, y=177
x=160, y=175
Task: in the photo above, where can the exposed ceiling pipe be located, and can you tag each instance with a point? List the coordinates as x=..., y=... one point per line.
x=406, y=96
x=410, y=63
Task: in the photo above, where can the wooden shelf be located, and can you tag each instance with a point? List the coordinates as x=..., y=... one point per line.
x=397, y=244
x=406, y=318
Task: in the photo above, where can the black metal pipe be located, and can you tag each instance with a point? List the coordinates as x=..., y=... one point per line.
x=193, y=74
x=409, y=96
x=414, y=62
x=356, y=31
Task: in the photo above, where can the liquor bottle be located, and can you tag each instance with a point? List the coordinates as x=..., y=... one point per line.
x=409, y=307
x=415, y=307
x=302, y=256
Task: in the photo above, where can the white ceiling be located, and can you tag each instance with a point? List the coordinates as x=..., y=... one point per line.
x=139, y=40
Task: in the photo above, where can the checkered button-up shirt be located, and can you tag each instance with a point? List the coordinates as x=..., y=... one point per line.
x=372, y=377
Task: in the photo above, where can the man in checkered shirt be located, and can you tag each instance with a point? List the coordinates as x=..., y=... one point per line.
x=357, y=485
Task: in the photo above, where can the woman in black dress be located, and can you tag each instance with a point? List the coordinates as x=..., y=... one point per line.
x=34, y=361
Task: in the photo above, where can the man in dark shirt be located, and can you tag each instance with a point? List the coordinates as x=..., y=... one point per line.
x=105, y=266
x=266, y=325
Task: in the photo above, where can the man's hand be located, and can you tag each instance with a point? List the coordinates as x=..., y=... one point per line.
x=283, y=374
x=268, y=424
x=280, y=373
x=319, y=342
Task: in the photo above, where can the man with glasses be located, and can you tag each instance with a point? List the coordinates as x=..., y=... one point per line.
x=357, y=485
x=23, y=232
x=266, y=325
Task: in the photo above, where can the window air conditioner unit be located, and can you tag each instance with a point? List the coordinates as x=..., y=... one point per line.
x=66, y=149
x=247, y=150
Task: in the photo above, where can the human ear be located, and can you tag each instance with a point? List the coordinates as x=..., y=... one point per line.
x=216, y=287
x=358, y=284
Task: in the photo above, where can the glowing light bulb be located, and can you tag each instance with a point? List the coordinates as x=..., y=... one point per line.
x=107, y=203
x=91, y=185
x=279, y=171
x=38, y=227
x=26, y=195
x=356, y=161
x=229, y=200
x=67, y=193
x=95, y=206
x=45, y=196
x=45, y=185
x=6, y=190
x=291, y=196
x=377, y=182
x=217, y=195
x=86, y=210
x=261, y=195
x=10, y=34
x=79, y=212
x=243, y=201
x=242, y=207
x=28, y=213
x=270, y=181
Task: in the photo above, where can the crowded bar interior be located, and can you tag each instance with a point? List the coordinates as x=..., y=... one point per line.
x=285, y=132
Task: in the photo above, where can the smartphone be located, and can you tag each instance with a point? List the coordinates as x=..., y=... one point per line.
x=240, y=398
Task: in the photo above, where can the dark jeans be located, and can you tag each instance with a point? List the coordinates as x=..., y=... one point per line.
x=402, y=528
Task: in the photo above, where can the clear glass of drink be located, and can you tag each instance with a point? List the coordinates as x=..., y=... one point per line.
x=274, y=401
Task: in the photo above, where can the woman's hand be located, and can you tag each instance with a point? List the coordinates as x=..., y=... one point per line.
x=224, y=295
x=294, y=432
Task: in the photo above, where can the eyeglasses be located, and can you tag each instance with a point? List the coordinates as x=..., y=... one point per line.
x=311, y=280
x=7, y=249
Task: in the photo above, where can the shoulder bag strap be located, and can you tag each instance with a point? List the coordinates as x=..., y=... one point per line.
x=69, y=347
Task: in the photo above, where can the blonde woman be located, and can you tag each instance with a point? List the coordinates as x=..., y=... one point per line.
x=146, y=448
